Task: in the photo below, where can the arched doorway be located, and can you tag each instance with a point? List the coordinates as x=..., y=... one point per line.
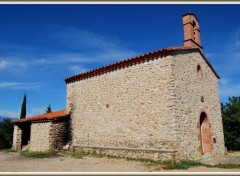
x=26, y=132
x=205, y=135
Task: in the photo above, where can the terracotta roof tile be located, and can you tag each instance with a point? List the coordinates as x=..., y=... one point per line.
x=44, y=117
x=133, y=61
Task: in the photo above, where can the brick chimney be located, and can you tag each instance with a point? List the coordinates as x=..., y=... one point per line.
x=191, y=31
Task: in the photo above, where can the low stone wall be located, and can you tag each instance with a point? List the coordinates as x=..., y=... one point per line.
x=134, y=153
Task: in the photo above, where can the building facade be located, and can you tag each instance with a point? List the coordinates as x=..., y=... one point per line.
x=161, y=105
x=42, y=132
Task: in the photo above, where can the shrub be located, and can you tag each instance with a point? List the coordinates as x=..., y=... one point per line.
x=7, y=150
x=38, y=154
x=6, y=133
x=183, y=164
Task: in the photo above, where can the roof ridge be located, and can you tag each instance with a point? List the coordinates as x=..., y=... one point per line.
x=118, y=65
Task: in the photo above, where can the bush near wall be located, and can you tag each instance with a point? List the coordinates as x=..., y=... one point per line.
x=231, y=123
x=6, y=133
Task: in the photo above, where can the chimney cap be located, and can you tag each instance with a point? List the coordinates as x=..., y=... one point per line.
x=190, y=13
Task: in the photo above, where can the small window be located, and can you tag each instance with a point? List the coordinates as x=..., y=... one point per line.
x=194, y=28
x=199, y=72
x=194, y=24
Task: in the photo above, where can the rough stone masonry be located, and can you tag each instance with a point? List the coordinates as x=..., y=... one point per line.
x=153, y=104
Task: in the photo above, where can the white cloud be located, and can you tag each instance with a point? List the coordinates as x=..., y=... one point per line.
x=17, y=85
x=229, y=87
x=32, y=111
x=3, y=64
x=7, y=113
x=12, y=63
x=104, y=57
x=85, y=47
x=237, y=44
x=231, y=90
x=76, y=69
x=233, y=45
x=208, y=55
x=226, y=64
x=224, y=81
x=78, y=38
x=91, y=47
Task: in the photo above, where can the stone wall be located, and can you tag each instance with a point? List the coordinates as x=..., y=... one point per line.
x=189, y=90
x=135, y=153
x=17, y=138
x=152, y=105
x=130, y=107
x=47, y=136
x=59, y=135
x=40, y=135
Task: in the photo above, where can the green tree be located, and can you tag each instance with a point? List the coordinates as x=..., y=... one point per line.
x=49, y=109
x=6, y=133
x=23, y=109
x=231, y=123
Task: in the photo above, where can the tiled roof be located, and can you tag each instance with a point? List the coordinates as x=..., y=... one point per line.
x=44, y=117
x=133, y=61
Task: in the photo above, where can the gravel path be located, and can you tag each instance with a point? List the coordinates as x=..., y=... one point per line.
x=13, y=162
x=230, y=158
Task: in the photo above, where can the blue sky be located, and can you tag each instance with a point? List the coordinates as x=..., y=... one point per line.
x=41, y=45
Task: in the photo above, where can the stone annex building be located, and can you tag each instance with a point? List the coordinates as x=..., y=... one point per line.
x=161, y=105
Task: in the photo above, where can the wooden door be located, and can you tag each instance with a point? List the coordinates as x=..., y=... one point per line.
x=206, y=137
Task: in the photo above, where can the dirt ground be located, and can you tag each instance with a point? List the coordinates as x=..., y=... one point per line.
x=13, y=162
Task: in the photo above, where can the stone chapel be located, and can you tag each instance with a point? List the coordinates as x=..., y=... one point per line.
x=161, y=105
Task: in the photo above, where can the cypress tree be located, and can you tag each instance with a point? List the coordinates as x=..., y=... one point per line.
x=23, y=109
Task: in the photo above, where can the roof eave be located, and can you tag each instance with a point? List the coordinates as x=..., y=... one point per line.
x=41, y=120
x=133, y=61
x=45, y=117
